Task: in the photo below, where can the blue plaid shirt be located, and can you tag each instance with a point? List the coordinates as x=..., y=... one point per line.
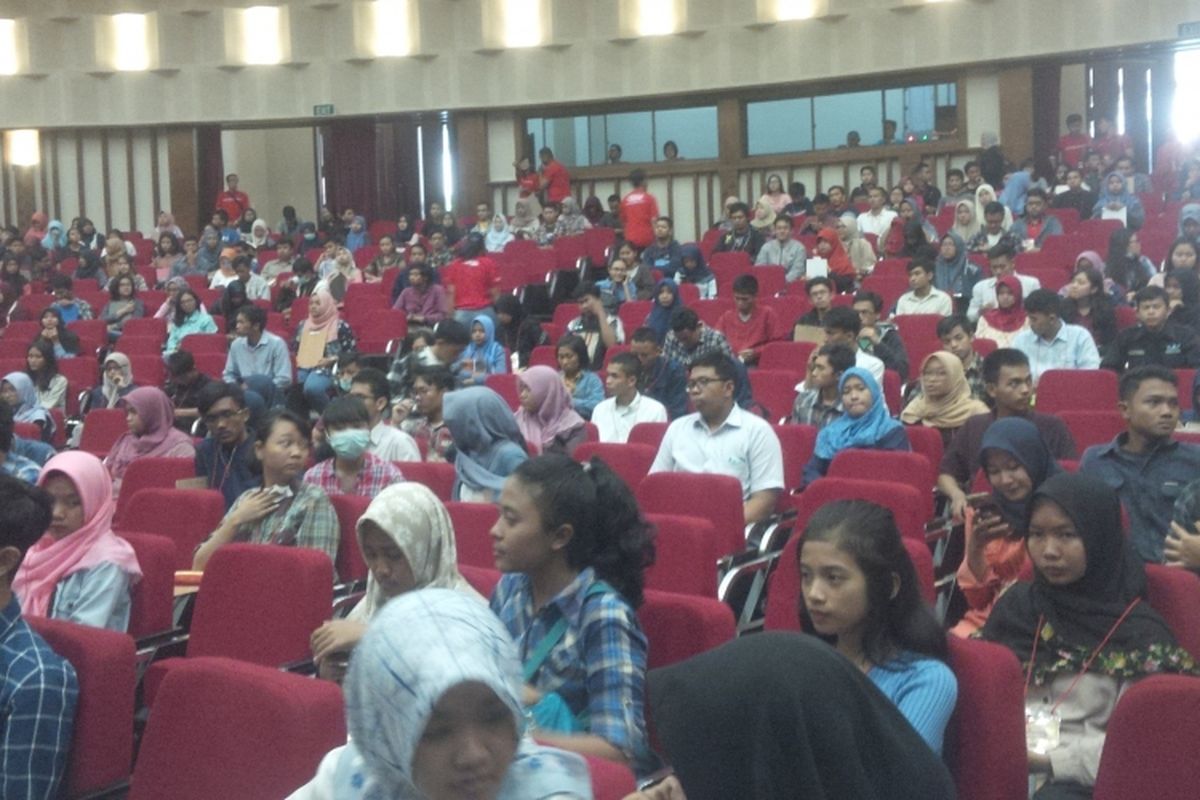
x=37, y=711
x=598, y=666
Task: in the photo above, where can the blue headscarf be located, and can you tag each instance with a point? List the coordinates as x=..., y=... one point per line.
x=660, y=315
x=28, y=409
x=487, y=440
x=1189, y=212
x=1125, y=197
x=1019, y=438
x=701, y=274
x=490, y=350
x=1015, y=191
x=951, y=276
x=357, y=240
x=865, y=431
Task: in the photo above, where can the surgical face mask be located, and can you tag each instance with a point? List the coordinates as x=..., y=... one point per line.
x=350, y=444
x=344, y=384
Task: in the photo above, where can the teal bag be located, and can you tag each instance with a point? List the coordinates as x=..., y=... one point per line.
x=551, y=713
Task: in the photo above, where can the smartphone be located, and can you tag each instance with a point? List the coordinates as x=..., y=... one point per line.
x=983, y=502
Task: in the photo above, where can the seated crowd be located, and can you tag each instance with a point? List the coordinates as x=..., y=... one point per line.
x=306, y=403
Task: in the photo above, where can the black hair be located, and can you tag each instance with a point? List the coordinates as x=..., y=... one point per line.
x=425, y=269
x=645, y=334
x=471, y=246
x=586, y=289
x=820, y=197
x=179, y=315
x=684, y=319
x=376, y=381
x=841, y=356
x=546, y=151
x=7, y=425
x=284, y=415
x=609, y=533
x=955, y=172
x=867, y=533
x=866, y=167
x=664, y=218
x=25, y=513
x=301, y=266
x=578, y=346
x=1001, y=250
x=49, y=366
x=346, y=411
x=180, y=362
x=837, y=186
x=784, y=218
x=241, y=261
x=812, y=283
x=1036, y=191
x=222, y=215
x=1043, y=301
x=1074, y=118
x=637, y=177
x=253, y=315
x=629, y=364
x=797, y=189
x=719, y=363
x=452, y=331
x=994, y=207
x=841, y=318
x=918, y=263
x=441, y=378
x=1132, y=380
x=61, y=281
x=114, y=286
x=612, y=197
x=1150, y=293
x=1123, y=270
x=1000, y=358
x=216, y=391
x=746, y=284
x=868, y=296
x=738, y=206
x=946, y=325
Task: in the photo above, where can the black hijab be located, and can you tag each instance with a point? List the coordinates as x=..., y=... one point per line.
x=1189, y=285
x=778, y=716
x=1019, y=438
x=1082, y=613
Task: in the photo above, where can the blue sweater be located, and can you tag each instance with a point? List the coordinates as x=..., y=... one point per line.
x=924, y=689
x=589, y=391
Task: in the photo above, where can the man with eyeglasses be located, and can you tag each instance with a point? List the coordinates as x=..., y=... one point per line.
x=722, y=438
x=225, y=458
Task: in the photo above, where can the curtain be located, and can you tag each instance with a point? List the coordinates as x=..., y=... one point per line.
x=351, y=167
x=1046, y=115
x=210, y=171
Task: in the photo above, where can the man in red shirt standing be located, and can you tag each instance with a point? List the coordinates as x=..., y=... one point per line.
x=231, y=201
x=639, y=209
x=555, y=180
x=1112, y=145
x=471, y=281
x=1074, y=145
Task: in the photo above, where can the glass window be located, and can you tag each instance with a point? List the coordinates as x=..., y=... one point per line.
x=779, y=126
x=693, y=130
x=633, y=132
x=838, y=115
x=584, y=140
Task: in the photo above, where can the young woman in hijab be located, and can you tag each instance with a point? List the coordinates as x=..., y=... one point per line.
x=152, y=434
x=966, y=225
x=166, y=226
x=189, y=318
x=1189, y=216
x=572, y=221
x=285, y=510
x=1115, y=197
x=55, y=238
x=953, y=273
x=695, y=271
x=484, y=355
x=1125, y=264
x=498, y=235
x=774, y=197
x=841, y=268
x=357, y=238
x=80, y=571
x=524, y=223
x=912, y=209
x=862, y=255
x=37, y=228
x=260, y=235
x=1088, y=304
x=19, y=392
x=945, y=401
x=116, y=381
x=865, y=424
x=573, y=546
x=407, y=541
x=666, y=300
x=1082, y=628
x=593, y=210
x=763, y=217
x=1016, y=462
x=985, y=194
x=41, y=365
x=1002, y=323
x=320, y=339
x=488, y=444
x=1183, y=288
x=546, y=418
x=208, y=255
x=460, y=731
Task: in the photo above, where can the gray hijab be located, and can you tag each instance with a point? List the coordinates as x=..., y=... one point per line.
x=485, y=434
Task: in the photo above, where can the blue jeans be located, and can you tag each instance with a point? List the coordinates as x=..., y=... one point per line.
x=315, y=386
x=261, y=396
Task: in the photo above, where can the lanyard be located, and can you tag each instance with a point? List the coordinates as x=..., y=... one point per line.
x=1086, y=664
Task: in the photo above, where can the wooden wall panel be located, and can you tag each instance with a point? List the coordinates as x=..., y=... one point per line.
x=182, y=178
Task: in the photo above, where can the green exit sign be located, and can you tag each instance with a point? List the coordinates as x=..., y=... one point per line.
x=325, y=110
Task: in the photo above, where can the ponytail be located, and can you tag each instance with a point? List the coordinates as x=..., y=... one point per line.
x=609, y=533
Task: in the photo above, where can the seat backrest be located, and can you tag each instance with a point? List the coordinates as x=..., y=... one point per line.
x=797, y=443
x=682, y=560
x=154, y=594
x=610, y=780
x=148, y=370
x=151, y=473
x=714, y=497
x=775, y=391
x=101, y=429
x=1175, y=594
x=211, y=364
x=679, y=626
x=267, y=730
x=102, y=740
x=1092, y=427
x=1076, y=389
x=186, y=516
x=927, y=441
x=482, y=579
x=630, y=461
x=985, y=740
x=544, y=356
x=505, y=385
x=260, y=603
x=650, y=433
x=904, y=501
x=437, y=475
x=349, y=508
x=919, y=334
x=898, y=466
x=786, y=355
x=472, y=532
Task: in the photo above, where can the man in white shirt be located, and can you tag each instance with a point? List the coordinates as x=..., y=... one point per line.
x=625, y=406
x=257, y=287
x=387, y=443
x=842, y=326
x=1002, y=260
x=1050, y=343
x=877, y=219
x=923, y=297
x=723, y=439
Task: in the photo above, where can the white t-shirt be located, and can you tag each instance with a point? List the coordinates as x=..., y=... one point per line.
x=614, y=422
x=393, y=444
x=744, y=446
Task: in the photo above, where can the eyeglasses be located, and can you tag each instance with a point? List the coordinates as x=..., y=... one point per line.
x=698, y=384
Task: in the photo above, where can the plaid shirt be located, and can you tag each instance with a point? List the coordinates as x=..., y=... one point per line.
x=598, y=666
x=306, y=520
x=21, y=467
x=809, y=410
x=37, y=710
x=375, y=476
x=710, y=341
x=437, y=438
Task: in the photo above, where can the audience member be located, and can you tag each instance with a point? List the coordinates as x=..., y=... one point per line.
x=1001, y=260
x=1035, y=225
x=546, y=418
x=694, y=270
x=484, y=355
x=877, y=219
x=488, y=443
x=783, y=250
x=625, y=407
x=598, y=328
x=351, y=469
x=639, y=212
x=1125, y=264
x=1117, y=201
x=448, y=340
x=864, y=424
x=742, y=237
x=424, y=422
x=748, y=327
x=880, y=339
x=1076, y=195
x=1155, y=340
x=952, y=272
x=842, y=326
x=1088, y=305
x=189, y=318
x=819, y=401
x=922, y=296
x=690, y=339
x=516, y=330
x=116, y=381
x=1050, y=343
x=820, y=294
x=862, y=254
x=41, y=365
x=184, y=385
x=471, y=281
x=258, y=361
x=320, y=340
x=945, y=402
x=661, y=379
x=150, y=417
x=225, y=457
x=12, y=463
x=122, y=306
x=1002, y=323
x=663, y=253
x=387, y=443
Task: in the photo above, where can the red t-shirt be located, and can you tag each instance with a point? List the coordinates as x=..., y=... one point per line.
x=558, y=182
x=638, y=212
x=754, y=333
x=473, y=281
x=233, y=204
x=1073, y=148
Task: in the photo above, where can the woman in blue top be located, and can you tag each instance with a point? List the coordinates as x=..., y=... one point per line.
x=573, y=544
x=860, y=594
x=666, y=300
x=866, y=424
x=484, y=355
x=575, y=368
x=1115, y=196
x=488, y=445
x=189, y=318
x=695, y=271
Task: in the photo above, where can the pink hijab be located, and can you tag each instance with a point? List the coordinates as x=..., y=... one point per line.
x=555, y=414
x=159, y=436
x=326, y=317
x=51, y=560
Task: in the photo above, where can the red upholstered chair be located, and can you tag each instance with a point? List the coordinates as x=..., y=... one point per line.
x=679, y=626
x=632, y=314
x=985, y=741
x=505, y=385
x=544, y=356
x=154, y=595
x=198, y=343
x=1092, y=427
x=797, y=442
x=737, y=262
x=237, y=731
x=472, y=532
x=786, y=355
x=437, y=475
x=1076, y=390
x=148, y=370
x=482, y=579
x=892, y=397
x=102, y=741
x=919, y=334
x=714, y=497
x=92, y=333
x=82, y=373
x=775, y=391
x=911, y=468
x=186, y=516
x=650, y=433
x=349, y=563
x=630, y=461
x=683, y=563
x=101, y=429
x=1185, y=378
x=610, y=780
x=211, y=364
x=1175, y=594
x=151, y=473
x=145, y=326
x=905, y=502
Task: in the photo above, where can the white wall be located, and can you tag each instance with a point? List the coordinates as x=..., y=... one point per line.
x=983, y=105
x=275, y=167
